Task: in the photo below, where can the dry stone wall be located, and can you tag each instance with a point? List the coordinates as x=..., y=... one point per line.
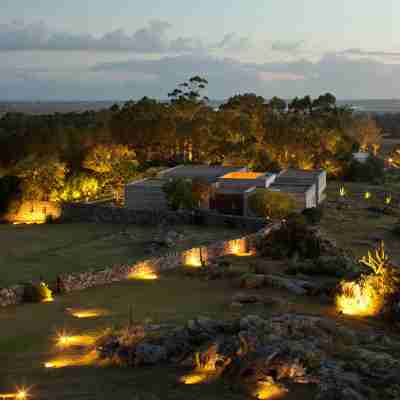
x=72, y=282
x=97, y=213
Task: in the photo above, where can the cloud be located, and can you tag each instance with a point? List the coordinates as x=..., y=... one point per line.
x=233, y=42
x=37, y=36
x=287, y=46
x=366, y=53
x=152, y=39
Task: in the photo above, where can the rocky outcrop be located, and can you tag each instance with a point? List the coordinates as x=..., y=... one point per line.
x=253, y=351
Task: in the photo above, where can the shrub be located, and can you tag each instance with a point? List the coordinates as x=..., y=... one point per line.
x=180, y=195
x=268, y=204
x=293, y=238
x=372, y=171
x=36, y=293
x=313, y=215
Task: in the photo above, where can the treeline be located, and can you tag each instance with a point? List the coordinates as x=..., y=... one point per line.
x=76, y=155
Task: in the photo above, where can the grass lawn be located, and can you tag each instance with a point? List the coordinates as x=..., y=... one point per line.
x=357, y=228
x=31, y=251
x=27, y=336
x=27, y=339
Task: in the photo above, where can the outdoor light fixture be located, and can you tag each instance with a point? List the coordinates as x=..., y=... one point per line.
x=86, y=313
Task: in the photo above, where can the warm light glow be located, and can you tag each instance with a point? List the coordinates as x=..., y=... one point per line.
x=388, y=200
x=64, y=340
x=194, y=379
x=243, y=175
x=21, y=394
x=47, y=294
x=342, y=191
x=193, y=258
x=367, y=195
x=268, y=390
x=73, y=361
x=238, y=248
x=358, y=299
x=143, y=272
x=87, y=313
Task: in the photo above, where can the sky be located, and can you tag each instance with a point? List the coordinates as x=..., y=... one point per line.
x=127, y=49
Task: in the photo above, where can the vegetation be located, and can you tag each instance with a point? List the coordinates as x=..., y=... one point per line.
x=180, y=194
x=268, y=204
x=372, y=171
x=75, y=156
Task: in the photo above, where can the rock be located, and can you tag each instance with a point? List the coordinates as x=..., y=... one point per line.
x=246, y=298
x=236, y=304
x=149, y=354
x=251, y=322
x=294, y=286
x=252, y=281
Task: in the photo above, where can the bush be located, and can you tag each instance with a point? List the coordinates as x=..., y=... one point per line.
x=180, y=195
x=268, y=204
x=372, y=171
x=293, y=239
x=313, y=215
x=36, y=293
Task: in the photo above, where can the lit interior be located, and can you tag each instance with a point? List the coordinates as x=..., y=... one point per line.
x=243, y=175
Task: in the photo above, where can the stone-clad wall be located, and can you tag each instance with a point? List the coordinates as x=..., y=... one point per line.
x=96, y=213
x=73, y=282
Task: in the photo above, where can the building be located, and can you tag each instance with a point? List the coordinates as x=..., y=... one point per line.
x=148, y=194
x=231, y=187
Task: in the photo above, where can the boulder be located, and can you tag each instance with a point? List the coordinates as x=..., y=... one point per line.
x=252, y=281
x=246, y=298
x=149, y=354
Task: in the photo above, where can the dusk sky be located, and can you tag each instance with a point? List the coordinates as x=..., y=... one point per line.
x=120, y=49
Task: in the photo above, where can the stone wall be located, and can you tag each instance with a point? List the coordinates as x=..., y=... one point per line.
x=192, y=257
x=98, y=213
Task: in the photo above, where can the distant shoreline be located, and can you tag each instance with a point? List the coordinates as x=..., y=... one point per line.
x=378, y=106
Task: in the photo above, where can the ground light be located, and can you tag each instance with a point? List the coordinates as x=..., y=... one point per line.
x=21, y=394
x=86, y=313
x=194, y=258
x=144, y=272
x=72, y=361
x=64, y=340
x=268, y=390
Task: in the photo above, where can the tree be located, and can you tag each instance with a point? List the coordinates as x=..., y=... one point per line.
x=367, y=134
x=43, y=178
x=190, y=91
x=180, y=195
x=277, y=104
x=268, y=204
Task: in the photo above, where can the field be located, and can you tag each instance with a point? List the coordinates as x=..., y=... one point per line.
x=28, y=332
x=356, y=228
x=34, y=251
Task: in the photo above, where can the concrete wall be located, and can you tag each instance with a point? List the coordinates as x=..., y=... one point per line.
x=145, y=195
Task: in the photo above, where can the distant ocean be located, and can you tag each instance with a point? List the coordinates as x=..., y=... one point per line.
x=49, y=107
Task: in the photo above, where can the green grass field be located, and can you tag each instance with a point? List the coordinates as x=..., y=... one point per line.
x=27, y=338
x=357, y=228
x=31, y=251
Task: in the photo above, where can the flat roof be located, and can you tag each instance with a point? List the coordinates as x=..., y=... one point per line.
x=243, y=175
x=299, y=174
x=291, y=188
x=204, y=172
x=150, y=182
